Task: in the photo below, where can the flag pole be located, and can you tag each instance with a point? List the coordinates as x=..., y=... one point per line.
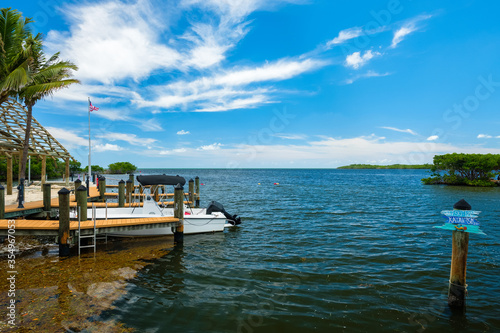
x=90, y=167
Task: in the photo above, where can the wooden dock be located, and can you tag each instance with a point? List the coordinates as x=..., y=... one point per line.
x=34, y=207
x=51, y=227
x=37, y=218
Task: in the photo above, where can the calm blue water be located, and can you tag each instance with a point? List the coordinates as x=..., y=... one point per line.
x=325, y=250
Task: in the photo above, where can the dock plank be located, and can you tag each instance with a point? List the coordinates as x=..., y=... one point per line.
x=89, y=224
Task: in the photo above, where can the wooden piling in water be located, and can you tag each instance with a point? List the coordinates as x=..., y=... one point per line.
x=121, y=193
x=81, y=202
x=63, y=222
x=47, y=197
x=102, y=188
x=179, y=213
x=9, y=175
x=130, y=190
x=131, y=178
x=2, y=202
x=78, y=183
x=191, y=192
x=460, y=245
x=154, y=192
x=197, y=190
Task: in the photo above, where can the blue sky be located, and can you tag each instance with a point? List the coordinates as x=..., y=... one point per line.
x=273, y=83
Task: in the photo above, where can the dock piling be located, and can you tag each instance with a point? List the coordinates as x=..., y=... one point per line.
x=2, y=202
x=102, y=188
x=191, y=192
x=197, y=190
x=46, y=197
x=179, y=213
x=460, y=245
x=63, y=222
x=78, y=183
x=81, y=202
x=155, y=192
x=130, y=189
x=121, y=193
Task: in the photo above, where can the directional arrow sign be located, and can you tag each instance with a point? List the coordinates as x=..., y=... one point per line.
x=461, y=213
x=461, y=220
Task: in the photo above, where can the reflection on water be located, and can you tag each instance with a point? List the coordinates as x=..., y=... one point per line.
x=69, y=295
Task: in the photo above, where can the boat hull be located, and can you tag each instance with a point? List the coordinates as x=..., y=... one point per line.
x=195, y=222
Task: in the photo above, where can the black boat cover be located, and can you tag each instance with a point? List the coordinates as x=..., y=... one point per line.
x=160, y=180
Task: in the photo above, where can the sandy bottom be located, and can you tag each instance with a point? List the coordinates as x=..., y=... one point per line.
x=32, y=193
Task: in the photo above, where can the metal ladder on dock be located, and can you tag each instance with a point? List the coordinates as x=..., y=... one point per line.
x=93, y=235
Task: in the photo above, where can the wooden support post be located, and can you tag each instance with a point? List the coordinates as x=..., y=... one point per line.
x=9, y=175
x=44, y=169
x=131, y=178
x=197, y=190
x=191, y=192
x=63, y=222
x=2, y=202
x=78, y=183
x=19, y=166
x=141, y=192
x=179, y=213
x=46, y=197
x=67, y=171
x=81, y=201
x=154, y=192
x=460, y=246
x=102, y=188
x=121, y=193
x=130, y=190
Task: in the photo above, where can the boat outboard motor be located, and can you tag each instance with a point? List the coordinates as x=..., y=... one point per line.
x=214, y=206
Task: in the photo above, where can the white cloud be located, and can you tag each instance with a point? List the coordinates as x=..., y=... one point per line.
x=151, y=125
x=130, y=138
x=345, y=35
x=106, y=147
x=325, y=152
x=213, y=146
x=433, y=138
x=182, y=132
x=239, y=103
x=290, y=136
x=407, y=28
x=113, y=40
x=368, y=74
x=487, y=136
x=68, y=138
x=219, y=93
x=400, y=130
x=356, y=60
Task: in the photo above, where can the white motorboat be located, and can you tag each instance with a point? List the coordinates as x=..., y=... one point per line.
x=196, y=220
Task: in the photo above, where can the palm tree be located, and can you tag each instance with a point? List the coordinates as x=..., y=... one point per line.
x=45, y=77
x=14, y=52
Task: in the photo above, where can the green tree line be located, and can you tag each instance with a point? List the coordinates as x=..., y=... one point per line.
x=464, y=169
x=57, y=168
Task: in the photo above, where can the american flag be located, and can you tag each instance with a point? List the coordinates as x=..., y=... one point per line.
x=92, y=108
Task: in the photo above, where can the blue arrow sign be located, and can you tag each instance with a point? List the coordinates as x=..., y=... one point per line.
x=473, y=229
x=461, y=213
x=461, y=220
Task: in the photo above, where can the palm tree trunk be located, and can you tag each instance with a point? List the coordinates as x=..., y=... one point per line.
x=26, y=141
